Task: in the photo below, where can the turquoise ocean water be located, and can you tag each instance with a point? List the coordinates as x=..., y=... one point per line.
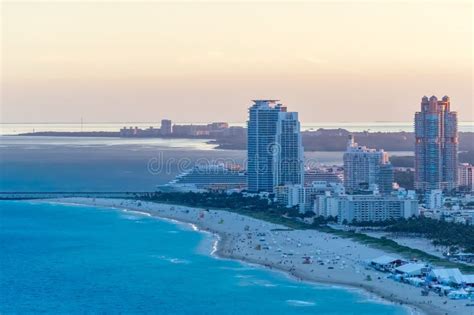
x=60, y=259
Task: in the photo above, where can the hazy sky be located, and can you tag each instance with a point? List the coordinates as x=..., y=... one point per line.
x=332, y=61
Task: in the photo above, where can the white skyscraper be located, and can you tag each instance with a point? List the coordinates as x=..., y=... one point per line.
x=275, y=150
x=365, y=167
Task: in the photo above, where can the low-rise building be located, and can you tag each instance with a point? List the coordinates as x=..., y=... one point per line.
x=211, y=129
x=304, y=196
x=434, y=199
x=327, y=206
x=366, y=208
x=374, y=208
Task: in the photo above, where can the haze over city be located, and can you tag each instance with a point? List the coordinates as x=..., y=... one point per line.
x=126, y=61
x=237, y=157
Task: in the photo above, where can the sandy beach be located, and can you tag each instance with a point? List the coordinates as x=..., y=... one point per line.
x=334, y=260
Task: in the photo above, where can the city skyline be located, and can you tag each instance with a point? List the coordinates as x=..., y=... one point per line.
x=170, y=60
x=246, y=157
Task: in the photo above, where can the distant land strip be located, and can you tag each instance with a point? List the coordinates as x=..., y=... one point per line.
x=330, y=140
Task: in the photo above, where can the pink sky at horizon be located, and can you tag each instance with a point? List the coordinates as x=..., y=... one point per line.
x=123, y=61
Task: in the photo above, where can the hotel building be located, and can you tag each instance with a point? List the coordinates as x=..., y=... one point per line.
x=436, y=145
x=275, y=150
x=366, y=208
x=364, y=168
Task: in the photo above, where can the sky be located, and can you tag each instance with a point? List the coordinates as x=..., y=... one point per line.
x=141, y=61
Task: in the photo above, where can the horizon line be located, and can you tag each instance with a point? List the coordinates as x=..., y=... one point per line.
x=204, y=122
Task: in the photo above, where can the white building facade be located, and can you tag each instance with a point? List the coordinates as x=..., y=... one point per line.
x=274, y=149
x=465, y=176
x=366, y=167
x=366, y=208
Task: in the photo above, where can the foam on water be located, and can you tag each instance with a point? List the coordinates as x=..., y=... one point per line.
x=172, y=260
x=300, y=303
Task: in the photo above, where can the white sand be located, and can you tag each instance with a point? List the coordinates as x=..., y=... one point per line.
x=284, y=250
x=417, y=242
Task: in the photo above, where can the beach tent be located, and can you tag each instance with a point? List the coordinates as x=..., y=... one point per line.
x=458, y=294
x=386, y=262
x=468, y=280
x=416, y=281
x=447, y=276
x=411, y=269
x=442, y=288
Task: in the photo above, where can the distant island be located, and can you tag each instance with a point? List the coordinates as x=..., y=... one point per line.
x=235, y=138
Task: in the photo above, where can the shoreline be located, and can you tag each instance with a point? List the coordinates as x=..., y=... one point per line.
x=220, y=242
x=227, y=246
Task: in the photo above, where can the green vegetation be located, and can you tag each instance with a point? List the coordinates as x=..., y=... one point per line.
x=467, y=157
x=409, y=160
x=453, y=235
x=336, y=140
x=392, y=246
x=402, y=161
x=441, y=232
x=254, y=207
x=263, y=209
x=405, y=179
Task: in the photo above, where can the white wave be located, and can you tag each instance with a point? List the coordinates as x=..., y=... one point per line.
x=264, y=283
x=236, y=268
x=214, y=246
x=247, y=282
x=173, y=260
x=243, y=276
x=179, y=261
x=300, y=303
x=137, y=212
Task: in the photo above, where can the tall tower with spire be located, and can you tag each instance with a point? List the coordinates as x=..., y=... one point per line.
x=436, y=145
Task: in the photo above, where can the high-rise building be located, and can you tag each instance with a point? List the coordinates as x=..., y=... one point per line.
x=436, y=145
x=364, y=168
x=466, y=176
x=166, y=127
x=275, y=150
x=386, y=178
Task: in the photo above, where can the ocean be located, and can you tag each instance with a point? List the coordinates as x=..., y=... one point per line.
x=64, y=259
x=59, y=259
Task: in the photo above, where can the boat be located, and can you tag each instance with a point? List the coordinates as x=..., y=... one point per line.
x=213, y=177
